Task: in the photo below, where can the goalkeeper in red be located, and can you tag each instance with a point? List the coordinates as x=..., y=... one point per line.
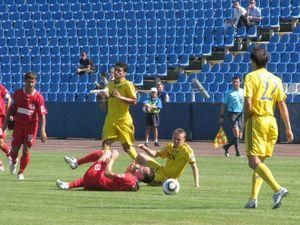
x=263, y=92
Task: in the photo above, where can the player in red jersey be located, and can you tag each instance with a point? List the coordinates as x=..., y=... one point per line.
x=27, y=109
x=4, y=96
x=100, y=176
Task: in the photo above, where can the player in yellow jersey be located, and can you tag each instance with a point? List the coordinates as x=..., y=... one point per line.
x=177, y=154
x=263, y=91
x=118, y=122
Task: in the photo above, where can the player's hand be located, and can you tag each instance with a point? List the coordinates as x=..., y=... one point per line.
x=116, y=94
x=142, y=146
x=43, y=137
x=289, y=135
x=114, y=154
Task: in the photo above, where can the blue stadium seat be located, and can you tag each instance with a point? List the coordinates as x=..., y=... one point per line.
x=219, y=77
x=180, y=97
x=186, y=87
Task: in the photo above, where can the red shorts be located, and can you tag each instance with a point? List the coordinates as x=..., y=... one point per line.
x=24, y=134
x=2, y=133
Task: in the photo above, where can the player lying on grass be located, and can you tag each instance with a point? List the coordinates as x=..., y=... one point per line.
x=177, y=154
x=100, y=176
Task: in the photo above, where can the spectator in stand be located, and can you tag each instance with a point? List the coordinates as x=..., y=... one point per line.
x=86, y=65
x=112, y=75
x=162, y=94
x=152, y=107
x=239, y=16
x=253, y=14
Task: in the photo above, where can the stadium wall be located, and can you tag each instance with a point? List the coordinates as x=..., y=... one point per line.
x=200, y=120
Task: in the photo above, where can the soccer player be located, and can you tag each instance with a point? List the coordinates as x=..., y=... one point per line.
x=4, y=96
x=177, y=154
x=233, y=104
x=100, y=176
x=118, y=122
x=263, y=91
x=27, y=109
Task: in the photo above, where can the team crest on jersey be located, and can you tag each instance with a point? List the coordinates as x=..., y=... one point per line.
x=97, y=167
x=32, y=106
x=30, y=138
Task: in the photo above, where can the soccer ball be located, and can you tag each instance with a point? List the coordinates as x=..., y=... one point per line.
x=171, y=186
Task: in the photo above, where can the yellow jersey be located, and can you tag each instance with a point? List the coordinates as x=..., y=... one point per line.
x=176, y=159
x=266, y=91
x=118, y=110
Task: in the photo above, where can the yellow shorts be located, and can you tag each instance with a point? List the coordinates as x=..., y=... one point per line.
x=119, y=131
x=261, y=135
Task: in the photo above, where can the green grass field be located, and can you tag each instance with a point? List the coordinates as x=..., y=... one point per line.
x=225, y=186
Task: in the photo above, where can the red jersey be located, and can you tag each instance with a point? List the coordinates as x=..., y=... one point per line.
x=95, y=179
x=4, y=94
x=27, y=108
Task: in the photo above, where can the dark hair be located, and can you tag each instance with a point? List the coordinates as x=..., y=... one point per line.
x=180, y=131
x=259, y=56
x=148, y=177
x=236, y=78
x=30, y=75
x=236, y=2
x=122, y=65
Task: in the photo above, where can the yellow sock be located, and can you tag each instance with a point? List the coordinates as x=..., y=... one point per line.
x=152, y=164
x=256, y=185
x=265, y=173
x=132, y=152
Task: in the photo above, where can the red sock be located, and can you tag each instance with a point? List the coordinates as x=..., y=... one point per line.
x=76, y=183
x=92, y=157
x=25, y=159
x=5, y=148
x=14, y=155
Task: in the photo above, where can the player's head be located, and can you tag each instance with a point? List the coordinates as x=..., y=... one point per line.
x=236, y=82
x=179, y=136
x=30, y=79
x=120, y=70
x=142, y=173
x=259, y=57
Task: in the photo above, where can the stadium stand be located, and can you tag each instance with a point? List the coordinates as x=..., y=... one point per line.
x=47, y=36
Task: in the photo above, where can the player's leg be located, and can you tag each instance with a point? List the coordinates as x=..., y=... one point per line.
x=148, y=161
x=126, y=137
x=155, y=128
x=68, y=185
x=24, y=161
x=91, y=157
x=236, y=139
x=3, y=146
x=147, y=134
x=17, y=141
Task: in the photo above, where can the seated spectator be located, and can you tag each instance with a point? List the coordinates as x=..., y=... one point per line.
x=162, y=94
x=253, y=14
x=86, y=65
x=239, y=16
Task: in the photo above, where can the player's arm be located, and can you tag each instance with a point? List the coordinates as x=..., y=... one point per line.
x=128, y=100
x=108, y=170
x=150, y=152
x=167, y=98
x=9, y=101
x=222, y=111
x=195, y=173
x=248, y=107
x=43, y=128
x=286, y=119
